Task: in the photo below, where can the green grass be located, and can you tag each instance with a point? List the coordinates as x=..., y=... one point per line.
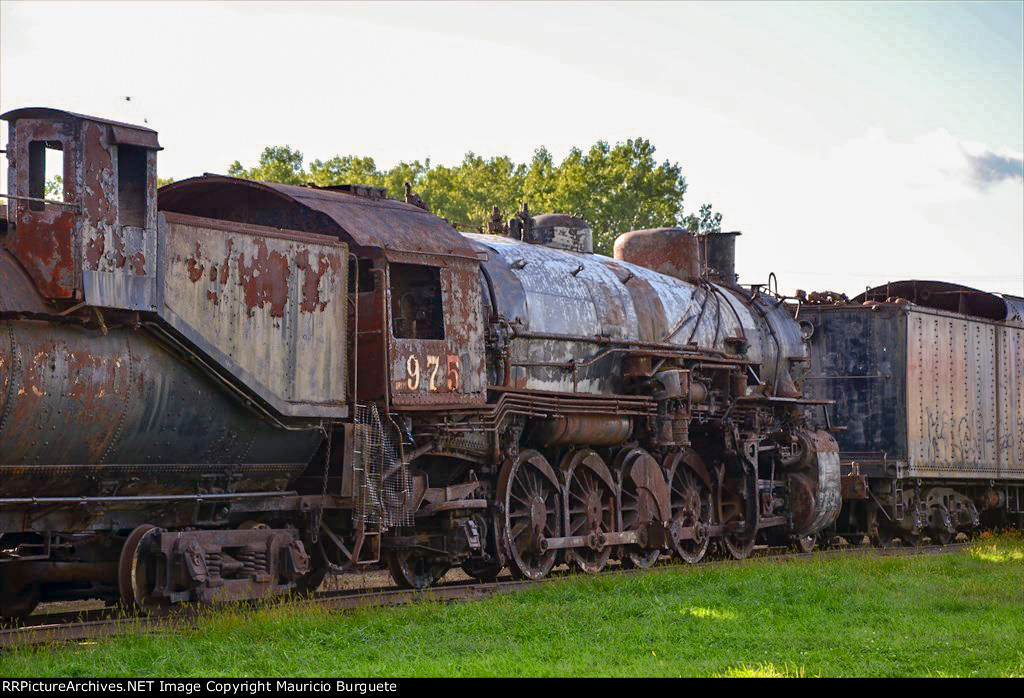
x=960, y=614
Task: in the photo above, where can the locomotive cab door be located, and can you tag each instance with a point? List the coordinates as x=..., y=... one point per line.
x=435, y=331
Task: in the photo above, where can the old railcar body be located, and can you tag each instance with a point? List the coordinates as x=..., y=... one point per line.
x=234, y=388
x=928, y=383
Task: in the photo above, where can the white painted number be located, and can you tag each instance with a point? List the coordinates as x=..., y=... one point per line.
x=452, y=378
x=453, y=372
x=434, y=361
x=412, y=367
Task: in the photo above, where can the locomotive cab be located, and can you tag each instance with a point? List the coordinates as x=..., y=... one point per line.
x=104, y=220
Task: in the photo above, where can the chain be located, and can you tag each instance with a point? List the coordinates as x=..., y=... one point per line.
x=318, y=517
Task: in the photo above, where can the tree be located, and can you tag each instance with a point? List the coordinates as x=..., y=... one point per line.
x=467, y=192
x=278, y=163
x=615, y=188
x=705, y=222
x=54, y=188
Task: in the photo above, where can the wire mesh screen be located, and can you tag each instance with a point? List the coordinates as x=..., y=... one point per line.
x=384, y=488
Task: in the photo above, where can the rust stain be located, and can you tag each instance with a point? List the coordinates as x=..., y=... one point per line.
x=225, y=268
x=119, y=258
x=91, y=377
x=138, y=263
x=94, y=252
x=44, y=247
x=311, y=285
x=195, y=269
x=100, y=201
x=265, y=280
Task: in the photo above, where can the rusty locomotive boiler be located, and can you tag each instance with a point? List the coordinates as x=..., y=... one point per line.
x=230, y=389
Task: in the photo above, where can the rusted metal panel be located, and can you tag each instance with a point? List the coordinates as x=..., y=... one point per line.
x=1010, y=399
x=854, y=486
x=119, y=242
x=101, y=240
x=362, y=222
x=269, y=306
x=17, y=291
x=939, y=391
x=369, y=358
x=954, y=298
x=449, y=370
x=560, y=231
x=80, y=397
x=43, y=238
x=858, y=361
x=952, y=412
x=132, y=134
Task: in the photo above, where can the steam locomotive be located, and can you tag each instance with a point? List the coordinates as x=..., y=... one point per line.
x=230, y=389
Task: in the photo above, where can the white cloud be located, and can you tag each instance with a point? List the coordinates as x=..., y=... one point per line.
x=876, y=209
x=932, y=166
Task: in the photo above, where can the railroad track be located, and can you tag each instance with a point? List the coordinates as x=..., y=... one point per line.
x=88, y=625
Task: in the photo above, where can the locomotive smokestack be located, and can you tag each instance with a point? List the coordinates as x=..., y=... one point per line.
x=718, y=256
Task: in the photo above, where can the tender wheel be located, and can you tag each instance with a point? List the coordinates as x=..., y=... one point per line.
x=311, y=581
x=691, y=503
x=137, y=570
x=640, y=476
x=529, y=493
x=590, y=507
x=736, y=505
x=940, y=525
x=412, y=569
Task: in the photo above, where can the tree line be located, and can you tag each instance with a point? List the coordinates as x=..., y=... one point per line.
x=616, y=188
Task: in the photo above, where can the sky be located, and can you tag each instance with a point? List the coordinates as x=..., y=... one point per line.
x=851, y=143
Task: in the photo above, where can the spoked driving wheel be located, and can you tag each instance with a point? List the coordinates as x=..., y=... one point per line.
x=137, y=569
x=590, y=508
x=737, y=506
x=691, y=502
x=529, y=493
x=642, y=480
x=412, y=569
